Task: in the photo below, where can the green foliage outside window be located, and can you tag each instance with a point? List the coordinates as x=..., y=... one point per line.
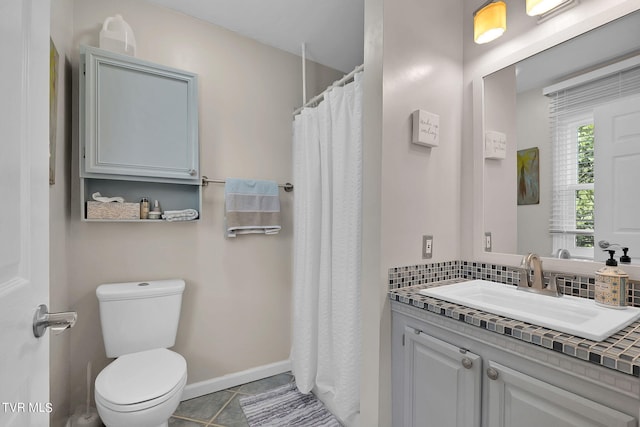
x=585, y=198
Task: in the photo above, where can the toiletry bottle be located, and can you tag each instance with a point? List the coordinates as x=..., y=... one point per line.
x=611, y=285
x=156, y=213
x=144, y=208
x=625, y=259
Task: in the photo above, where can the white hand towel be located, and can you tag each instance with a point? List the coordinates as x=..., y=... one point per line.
x=181, y=215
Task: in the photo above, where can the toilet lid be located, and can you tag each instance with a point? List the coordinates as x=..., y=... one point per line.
x=138, y=377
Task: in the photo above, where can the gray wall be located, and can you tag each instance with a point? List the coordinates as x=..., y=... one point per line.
x=500, y=208
x=413, y=56
x=533, y=131
x=236, y=307
x=60, y=211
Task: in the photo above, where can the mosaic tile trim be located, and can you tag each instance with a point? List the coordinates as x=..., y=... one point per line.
x=620, y=351
x=578, y=286
x=400, y=277
x=493, y=272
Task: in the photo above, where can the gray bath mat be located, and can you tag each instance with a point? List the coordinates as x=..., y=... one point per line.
x=286, y=406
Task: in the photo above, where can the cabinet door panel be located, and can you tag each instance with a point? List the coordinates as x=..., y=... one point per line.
x=439, y=390
x=140, y=119
x=150, y=99
x=518, y=400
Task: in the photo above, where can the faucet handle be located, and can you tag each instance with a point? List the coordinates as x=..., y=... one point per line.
x=523, y=277
x=553, y=285
x=528, y=259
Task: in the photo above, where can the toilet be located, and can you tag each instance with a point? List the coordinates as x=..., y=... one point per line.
x=143, y=386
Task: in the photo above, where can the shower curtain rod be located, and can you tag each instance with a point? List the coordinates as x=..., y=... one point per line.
x=343, y=81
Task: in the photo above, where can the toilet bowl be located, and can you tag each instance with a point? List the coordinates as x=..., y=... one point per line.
x=143, y=386
x=141, y=389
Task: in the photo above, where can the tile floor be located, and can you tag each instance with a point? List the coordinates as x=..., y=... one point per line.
x=222, y=408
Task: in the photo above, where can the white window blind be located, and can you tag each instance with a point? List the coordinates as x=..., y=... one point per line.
x=571, y=123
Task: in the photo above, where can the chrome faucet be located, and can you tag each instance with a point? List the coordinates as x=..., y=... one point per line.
x=535, y=282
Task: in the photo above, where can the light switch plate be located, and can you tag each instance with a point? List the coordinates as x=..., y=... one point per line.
x=427, y=247
x=487, y=241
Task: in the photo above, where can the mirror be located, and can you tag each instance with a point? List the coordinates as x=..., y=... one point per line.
x=520, y=193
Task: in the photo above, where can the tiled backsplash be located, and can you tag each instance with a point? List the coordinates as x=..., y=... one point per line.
x=399, y=277
x=575, y=285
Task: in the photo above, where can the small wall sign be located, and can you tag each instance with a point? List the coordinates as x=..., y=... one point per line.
x=426, y=128
x=495, y=145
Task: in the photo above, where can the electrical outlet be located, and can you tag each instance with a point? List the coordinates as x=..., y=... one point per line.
x=427, y=247
x=487, y=241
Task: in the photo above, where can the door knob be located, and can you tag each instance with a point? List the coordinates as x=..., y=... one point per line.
x=58, y=322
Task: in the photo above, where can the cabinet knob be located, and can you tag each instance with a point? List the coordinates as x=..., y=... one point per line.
x=492, y=373
x=467, y=363
x=192, y=172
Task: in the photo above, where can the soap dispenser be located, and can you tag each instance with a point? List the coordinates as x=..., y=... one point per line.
x=611, y=284
x=625, y=259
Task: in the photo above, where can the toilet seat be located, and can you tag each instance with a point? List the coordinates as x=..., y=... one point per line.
x=137, y=381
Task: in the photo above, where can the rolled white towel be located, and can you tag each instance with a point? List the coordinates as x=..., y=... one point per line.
x=100, y=198
x=181, y=215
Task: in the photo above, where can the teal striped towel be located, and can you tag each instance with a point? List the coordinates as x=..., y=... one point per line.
x=251, y=206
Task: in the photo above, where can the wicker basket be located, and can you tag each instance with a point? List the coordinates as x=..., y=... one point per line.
x=113, y=210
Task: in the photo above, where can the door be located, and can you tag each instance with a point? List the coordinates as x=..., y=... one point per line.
x=518, y=400
x=441, y=383
x=24, y=191
x=616, y=159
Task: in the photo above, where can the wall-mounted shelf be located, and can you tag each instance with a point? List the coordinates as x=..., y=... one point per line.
x=170, y=195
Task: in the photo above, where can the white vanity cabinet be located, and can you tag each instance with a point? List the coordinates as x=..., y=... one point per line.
x=502, y=383
x=441, y=382
x=516, y=399
x=138, y=130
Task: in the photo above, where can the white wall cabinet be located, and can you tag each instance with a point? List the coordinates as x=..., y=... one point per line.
x=444, y=378
x=138, y=130
x=140, y=119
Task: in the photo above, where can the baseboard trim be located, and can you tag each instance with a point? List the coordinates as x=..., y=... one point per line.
x=231, y=380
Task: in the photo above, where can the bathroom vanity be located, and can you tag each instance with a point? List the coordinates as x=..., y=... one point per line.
x=457, y=366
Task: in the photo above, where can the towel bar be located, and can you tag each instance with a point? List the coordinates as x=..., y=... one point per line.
x=288, y=187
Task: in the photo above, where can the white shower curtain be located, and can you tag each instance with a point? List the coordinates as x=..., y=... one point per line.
x=327, y=156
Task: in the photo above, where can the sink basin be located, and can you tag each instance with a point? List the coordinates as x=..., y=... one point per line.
x=576, y=316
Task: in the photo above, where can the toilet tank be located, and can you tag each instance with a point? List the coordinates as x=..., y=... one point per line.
x=138, y=316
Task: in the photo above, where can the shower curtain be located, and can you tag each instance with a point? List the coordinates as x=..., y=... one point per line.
x=327, y=156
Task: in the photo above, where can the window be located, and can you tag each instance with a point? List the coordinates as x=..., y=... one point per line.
x=571, y=106
x=572, y=220
x=585, y=196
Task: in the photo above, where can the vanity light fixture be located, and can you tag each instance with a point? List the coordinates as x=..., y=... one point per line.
x=490, y=21
x=540, y=7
